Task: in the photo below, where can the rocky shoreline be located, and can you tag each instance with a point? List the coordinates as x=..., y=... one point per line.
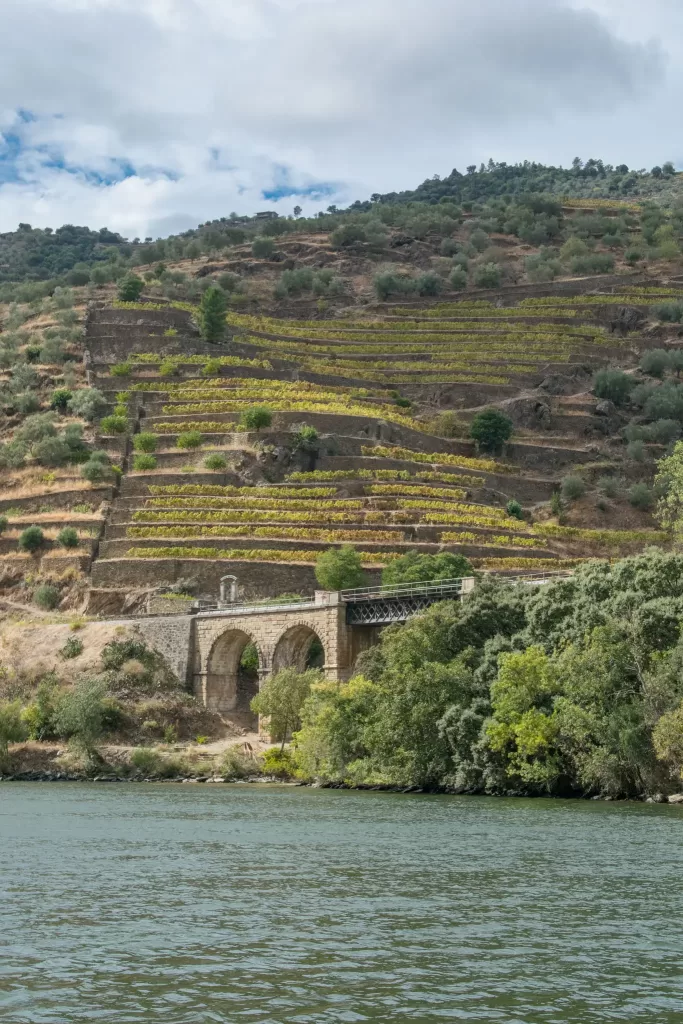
x=674, y=799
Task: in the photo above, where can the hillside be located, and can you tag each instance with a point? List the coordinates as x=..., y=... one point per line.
x=134, y=475
x=41, y=259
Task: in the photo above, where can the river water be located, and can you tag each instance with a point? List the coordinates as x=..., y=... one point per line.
x=194, y=904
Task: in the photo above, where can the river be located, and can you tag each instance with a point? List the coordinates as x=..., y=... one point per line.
x=193, y=904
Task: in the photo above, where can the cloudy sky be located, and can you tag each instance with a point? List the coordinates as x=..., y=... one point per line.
x=149, y=116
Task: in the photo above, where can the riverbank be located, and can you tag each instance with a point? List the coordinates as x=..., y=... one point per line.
x=132, y=776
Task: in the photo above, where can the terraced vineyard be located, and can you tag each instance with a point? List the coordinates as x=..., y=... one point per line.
x=207, y=496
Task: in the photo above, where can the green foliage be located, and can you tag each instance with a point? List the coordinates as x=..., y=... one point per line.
x=414, y=567
x=641, y=496
x=263, y=248
x=4, y=523
x=68, y=537
x=281, y=698
x=31, y=539
x=60, y=399
x=256, y=417
x=514, y=509
x=46, y=597
x=114, y=425
x=487, y=276
x=95, y=471
x=593, y=263
x=491, y=429
x=39, y=717
x=81, y=714
x=144, y=462
x=72, y=648
x=238, y=763
x=573, y=487
x=189, y=439
x=306, y=439
x=655, y=362
x=339, y=569
x=88, y=403
x=130, y=288
x=12, y=727
x=614, y=385
x=458, y=279
x=669, y=312
x=215, y=462
x=145, y=441
x=121, y=369
x=280, y=763
x=212, y=309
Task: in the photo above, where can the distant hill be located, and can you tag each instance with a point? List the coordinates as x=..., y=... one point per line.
x=592, y=180
x=70, y=254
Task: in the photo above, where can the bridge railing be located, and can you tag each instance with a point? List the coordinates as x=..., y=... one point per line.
x=446, y=587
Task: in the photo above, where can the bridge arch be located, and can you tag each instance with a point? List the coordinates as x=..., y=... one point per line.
x=300, y=647
x=228, y=686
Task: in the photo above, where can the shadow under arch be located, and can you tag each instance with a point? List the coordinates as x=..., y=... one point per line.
x=299, y=647
x=229, y=687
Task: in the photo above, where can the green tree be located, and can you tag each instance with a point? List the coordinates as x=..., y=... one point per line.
x=145, y=441
x=339, y=569
x=281, y=698
x=614, y=385
x=263, y=248
x=31, y=539
x=669, y=481
x=491, y=429
x=415, y=567
x=81, y=714
x=68, y=537
x=212, y=309
x=256, y=417
x=130, y=288
x=12, y=727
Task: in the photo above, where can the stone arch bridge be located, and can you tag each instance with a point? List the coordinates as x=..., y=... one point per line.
x=345, y=624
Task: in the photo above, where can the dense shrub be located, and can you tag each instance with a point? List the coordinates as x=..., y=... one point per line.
x=95, y=471
x=68, y=537
x=514, y=509
x=641, y=496
x=458, y=279
x=215, y=462
x=614, y=385
x=145, y=441
x=491, y=429
x=415, y=567
x=114, y=425
x=88, y=403
x=655, y=362
x=256, y=417
x=46, y=597
x=144, y=462
x=669, y=312
x=487, y=276
x=573, y=487
x=31, y=539
x=130, y=288
x=189, y=439
x=263, y=248
x=60, y=399
x=339, y=569
x=593, y=263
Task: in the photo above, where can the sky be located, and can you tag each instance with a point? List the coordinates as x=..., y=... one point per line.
x=151, y=116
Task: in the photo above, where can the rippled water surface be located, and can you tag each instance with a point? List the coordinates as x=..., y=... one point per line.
x=194, y=904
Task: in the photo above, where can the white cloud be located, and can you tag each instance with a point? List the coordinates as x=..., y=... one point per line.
x=208, y=99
